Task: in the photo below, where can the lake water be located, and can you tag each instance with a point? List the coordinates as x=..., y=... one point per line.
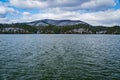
x=59, y=57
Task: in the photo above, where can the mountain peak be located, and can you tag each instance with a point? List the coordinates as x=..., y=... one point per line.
x=46, y=22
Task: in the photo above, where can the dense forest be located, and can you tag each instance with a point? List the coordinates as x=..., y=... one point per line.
x=20, y=28
x=17, y=29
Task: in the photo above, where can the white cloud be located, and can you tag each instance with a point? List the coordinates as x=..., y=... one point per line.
x=4, y=20
x=64, y=4
x=28, y=3
x=5, y=9
x=109, y=17
x=64, y=9
x=98, y=4
x=26, y=14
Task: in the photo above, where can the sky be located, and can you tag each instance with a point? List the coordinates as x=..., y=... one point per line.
x=94, y=12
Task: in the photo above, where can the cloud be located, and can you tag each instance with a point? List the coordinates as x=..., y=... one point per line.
x=28, y=3
x=109, y=17
x=4, y=20
x=64, y=4
x=95, y=12
x=26, y=14
x=4, y=10
x=98, y=4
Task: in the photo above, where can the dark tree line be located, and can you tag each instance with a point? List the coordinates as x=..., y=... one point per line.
x=17, y=29
x=79, y=29
x=20, y=28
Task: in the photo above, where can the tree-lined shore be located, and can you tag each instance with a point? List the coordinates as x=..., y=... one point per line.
x=20, y=28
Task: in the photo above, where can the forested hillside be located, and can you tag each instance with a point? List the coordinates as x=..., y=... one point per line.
x=17, y=29
x=20, y=28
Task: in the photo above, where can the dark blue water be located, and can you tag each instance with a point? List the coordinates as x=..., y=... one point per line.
x=59, y=57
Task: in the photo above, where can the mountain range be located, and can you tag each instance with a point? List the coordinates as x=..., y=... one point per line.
x=50, y=26
x=46, y=22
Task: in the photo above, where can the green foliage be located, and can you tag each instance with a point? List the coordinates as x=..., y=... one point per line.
x=20, y=28
x=17, y=29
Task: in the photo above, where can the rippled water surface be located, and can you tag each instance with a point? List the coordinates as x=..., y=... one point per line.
x=59, y=57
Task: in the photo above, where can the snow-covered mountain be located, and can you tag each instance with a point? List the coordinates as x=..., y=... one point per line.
x=47, y=22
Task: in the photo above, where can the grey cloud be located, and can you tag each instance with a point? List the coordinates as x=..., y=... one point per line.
x=98, y=4
x=64, y=4
x=2, y=15
x=4, y=10
x=109, y=17
x=67, y=9
x=4, y=20
x=45, y=3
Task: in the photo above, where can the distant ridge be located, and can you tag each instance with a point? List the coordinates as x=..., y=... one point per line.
x=50, y=26
x=46, y=22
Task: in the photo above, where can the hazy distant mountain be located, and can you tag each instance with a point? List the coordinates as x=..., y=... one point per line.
x=47, y=22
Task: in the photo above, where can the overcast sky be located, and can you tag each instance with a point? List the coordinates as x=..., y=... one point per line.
x=95, y=12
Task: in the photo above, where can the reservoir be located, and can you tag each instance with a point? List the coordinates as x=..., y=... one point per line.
x=59, y=57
